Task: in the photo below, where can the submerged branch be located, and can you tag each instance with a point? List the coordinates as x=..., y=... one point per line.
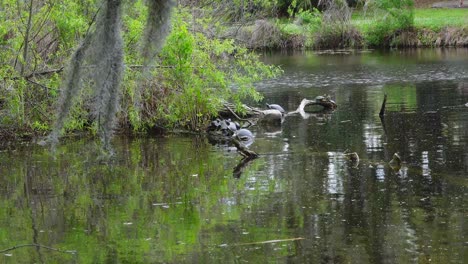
x=41, y=246
x=274, y=116
x=243, y=150
x=269, y=241
x=320, y=100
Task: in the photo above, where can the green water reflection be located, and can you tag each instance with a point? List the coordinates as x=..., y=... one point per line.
x=175, y=199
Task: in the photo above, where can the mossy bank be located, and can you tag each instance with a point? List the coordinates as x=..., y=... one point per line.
x=364, y=27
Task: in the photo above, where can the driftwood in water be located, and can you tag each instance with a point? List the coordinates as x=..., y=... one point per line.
x=243, y=150
x=251, y=115
x=273, y=115
x=254, y=115
x=324, y=101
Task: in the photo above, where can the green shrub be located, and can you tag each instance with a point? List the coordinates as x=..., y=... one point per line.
x=390, y=16
x=196, y=77
x=336, y=30
x=308, y=17
x=332, y=36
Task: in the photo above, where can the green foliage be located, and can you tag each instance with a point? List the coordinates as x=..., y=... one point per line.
x=378, y=33
x=428, y=23
x=332, y=36
x=296, y=7
x=336, y=30
x=55, y=28
x=292, y=7
x=389, y=16
x=71, y=27
x=308, y=17
x=196, y=76
x=438, y=18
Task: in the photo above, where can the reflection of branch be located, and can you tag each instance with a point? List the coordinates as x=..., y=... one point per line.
x=327, y=104
x=382, y=109
x=352, y=157
x=243, y=150
x=382, y=114
x=239, y=169
x=27, y=190
x=269, y=241
x=382, y=120
x=38, y=245
x=248, y=155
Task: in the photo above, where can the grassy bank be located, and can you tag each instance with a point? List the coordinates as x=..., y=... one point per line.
x=431, y=28
x=428, y=18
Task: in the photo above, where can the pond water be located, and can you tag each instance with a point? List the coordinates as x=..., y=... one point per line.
x=180, y=199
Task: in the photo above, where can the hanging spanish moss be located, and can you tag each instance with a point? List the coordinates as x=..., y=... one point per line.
x=156, y=29
x=103, y=50
x=70, y=88
x=107, y=56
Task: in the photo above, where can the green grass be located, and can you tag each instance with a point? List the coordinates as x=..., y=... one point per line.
x=430, y=18
x=376, y=34
x=291, y=29
x=441, y=17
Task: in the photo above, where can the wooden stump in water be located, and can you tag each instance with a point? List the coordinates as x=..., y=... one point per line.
x=382, y=108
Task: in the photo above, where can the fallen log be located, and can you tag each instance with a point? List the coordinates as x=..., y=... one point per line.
x=323, y=101
x=243, y=150
x=274, y=115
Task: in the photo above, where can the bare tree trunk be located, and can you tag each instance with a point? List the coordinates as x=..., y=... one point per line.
x=26, y=38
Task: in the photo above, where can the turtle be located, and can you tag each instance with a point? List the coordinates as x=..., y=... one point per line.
x=245, y=136
x=232, y=125
x=276, y=107
x=320, y=98
x=215, y=125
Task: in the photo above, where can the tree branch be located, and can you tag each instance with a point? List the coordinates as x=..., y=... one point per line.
x=41, y=246
x=26, y=38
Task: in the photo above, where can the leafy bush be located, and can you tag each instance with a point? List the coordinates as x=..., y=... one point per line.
x=331, y=36
x=389, y=16
x=308, y=17
x=336, y=30
x=196, y=77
